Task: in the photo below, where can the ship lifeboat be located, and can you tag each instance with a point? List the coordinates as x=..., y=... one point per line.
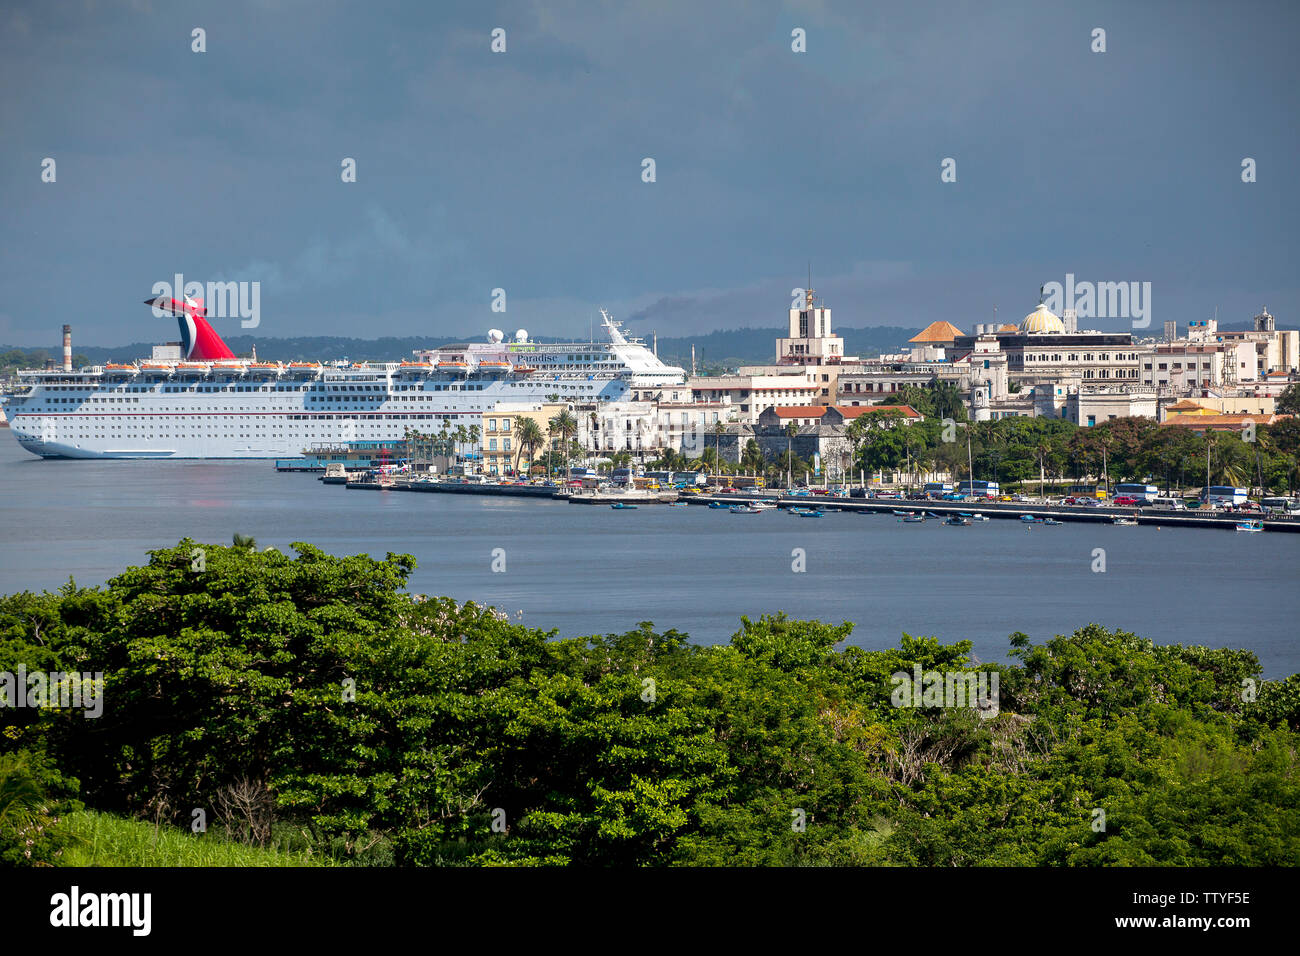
x=112, y=367
x=304, y=365
x=156, y=366
x=494, y=365
x=452, y=365
x=525, y=369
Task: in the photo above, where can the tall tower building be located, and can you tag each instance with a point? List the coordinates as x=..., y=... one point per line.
x=811, y=341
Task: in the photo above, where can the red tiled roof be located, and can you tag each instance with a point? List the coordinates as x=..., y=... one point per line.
x=799, y=411
x=940, y=331
x=853, y=411
x=1222, y=422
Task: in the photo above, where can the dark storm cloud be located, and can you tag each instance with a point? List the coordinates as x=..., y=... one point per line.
x=523, y=170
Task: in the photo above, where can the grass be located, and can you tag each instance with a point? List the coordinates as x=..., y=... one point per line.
x=100, y=839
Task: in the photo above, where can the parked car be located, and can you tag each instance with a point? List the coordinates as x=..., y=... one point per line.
x=858, y=493
x=1126, y=500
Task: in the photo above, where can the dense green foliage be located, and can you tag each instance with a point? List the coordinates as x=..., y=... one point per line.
x=312, y=695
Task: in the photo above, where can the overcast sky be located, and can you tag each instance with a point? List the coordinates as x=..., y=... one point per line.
x=523, y=170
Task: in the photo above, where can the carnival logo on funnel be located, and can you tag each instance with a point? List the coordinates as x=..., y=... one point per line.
x=227, y=300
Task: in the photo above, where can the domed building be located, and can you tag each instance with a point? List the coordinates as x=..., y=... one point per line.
x=1042, y=321
x=1047, y=350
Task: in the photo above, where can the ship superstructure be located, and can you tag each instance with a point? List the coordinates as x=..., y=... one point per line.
x=183, y=407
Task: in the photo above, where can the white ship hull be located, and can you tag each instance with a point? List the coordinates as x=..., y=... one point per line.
x=111, y=422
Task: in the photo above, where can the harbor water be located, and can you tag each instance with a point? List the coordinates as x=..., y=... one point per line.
x=595, y=570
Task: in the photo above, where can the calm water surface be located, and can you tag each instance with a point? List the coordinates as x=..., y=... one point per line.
x=585, y=570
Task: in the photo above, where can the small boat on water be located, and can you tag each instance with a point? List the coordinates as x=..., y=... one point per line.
x=1052, y=521
x=762, y=505
x=976, y=516
x=913, y=519
x=1125, y=522
x=621, y=506
x=1030, y=519
x=905, y=514
x=956, y=520
x=1250, y=524
x=811, y=513
x=745, y=510
x=718, y=504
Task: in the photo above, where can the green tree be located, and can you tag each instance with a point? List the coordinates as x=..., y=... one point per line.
x=564, y=426
x=528, y=435
x=1288, y=403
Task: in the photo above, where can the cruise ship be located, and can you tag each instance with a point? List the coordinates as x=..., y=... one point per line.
x=195, y=399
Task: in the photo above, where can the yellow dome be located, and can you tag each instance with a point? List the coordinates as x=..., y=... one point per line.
x=1042, y=321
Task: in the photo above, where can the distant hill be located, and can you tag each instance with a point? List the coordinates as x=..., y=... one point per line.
x=733, y=347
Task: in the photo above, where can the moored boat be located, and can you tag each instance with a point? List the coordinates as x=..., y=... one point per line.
x=622, y=506
x=1250, y=524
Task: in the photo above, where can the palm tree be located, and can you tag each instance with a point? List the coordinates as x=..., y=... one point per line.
x=474, y=435
x=244, y=541
x=719, y=430
x=565, y=426
x=855, y=431
x=527, y=433
x=790, y=431
x=444, y=439
x=1042, y=449
x=752, y=459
